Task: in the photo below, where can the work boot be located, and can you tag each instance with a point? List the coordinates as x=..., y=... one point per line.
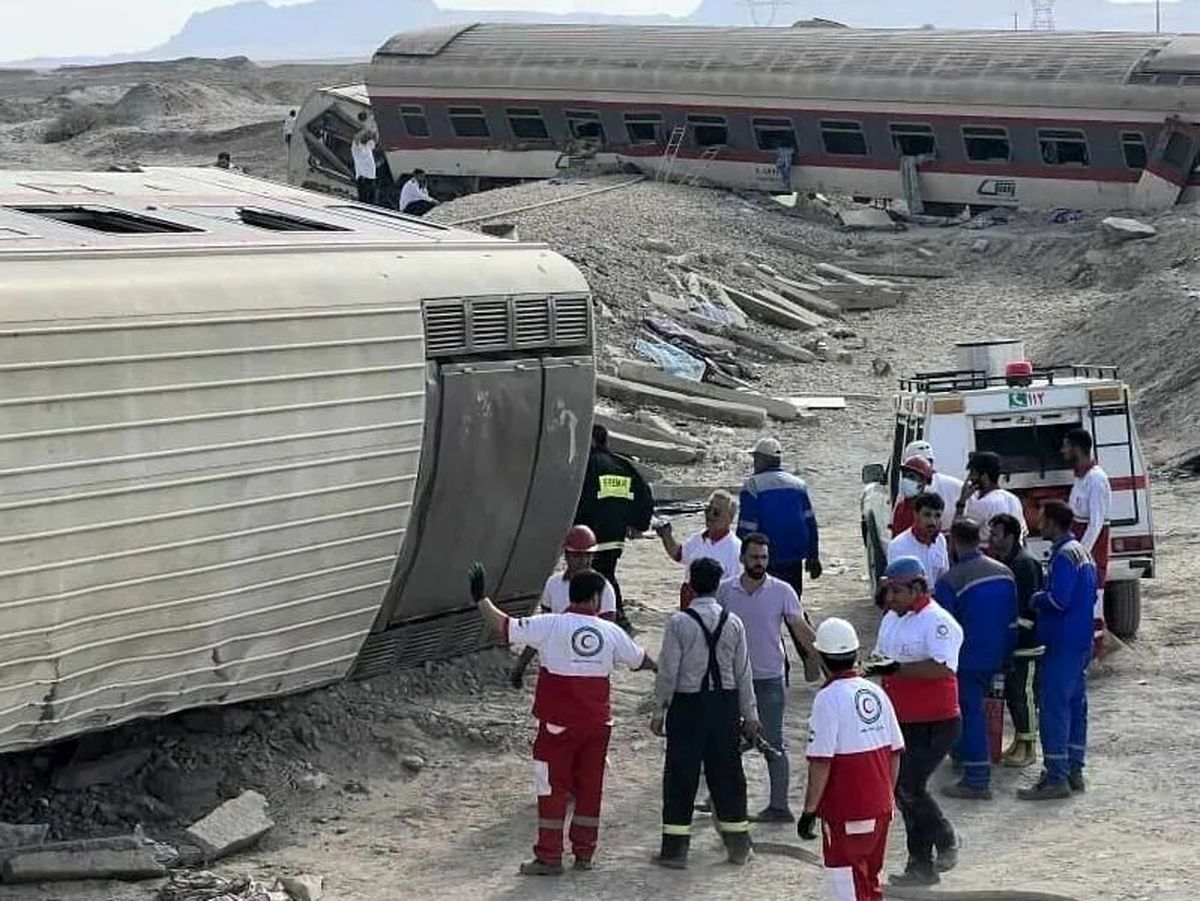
x=947, y=858
x=1011, y=749
x=537, y=867
x=916, y=873
x=674, y=852
x=738, y=846
x=584, y=863
x=773, y=815
x=1076, y=782
x=1020, y=755
x=967, y=792
x=1045, y=790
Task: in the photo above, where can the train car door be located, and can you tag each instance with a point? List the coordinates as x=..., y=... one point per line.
x=1169, y=168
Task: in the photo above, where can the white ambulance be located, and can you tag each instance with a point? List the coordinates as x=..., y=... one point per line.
x=997, y=402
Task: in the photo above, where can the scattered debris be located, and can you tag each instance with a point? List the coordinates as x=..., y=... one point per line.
x=896, y=270
x=818, y=403
x=721, y=411
x=867, y=218
x=205, y=886
x=648, y=375
x=234, y=825
x=1115, y=230
x=303, y=888
x=653, y=450
x=664, y=247
x=16, y=835
x=679, y=363
x=413, y=763
x=127, y=857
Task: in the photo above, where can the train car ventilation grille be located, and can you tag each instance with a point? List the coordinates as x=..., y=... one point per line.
x=571, y=320
x=533, y=321
x=490, y=325
x=445, y=328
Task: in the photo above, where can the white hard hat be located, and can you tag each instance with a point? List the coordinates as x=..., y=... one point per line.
x=768, y=447
x=836, y=637
x=919, y=449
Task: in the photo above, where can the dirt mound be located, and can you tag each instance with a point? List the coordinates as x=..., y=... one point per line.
x=156, y=100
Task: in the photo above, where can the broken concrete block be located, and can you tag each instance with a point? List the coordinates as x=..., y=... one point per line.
x=51, y=864
x=234, y=825
x=645, y=428
x=638, y=395
x=1116, y=230
x=654, y=451
x=303, y=888
x=15, y=835
x=106, y=771
x=897, y=270
x=867, y=219
x=652, y=375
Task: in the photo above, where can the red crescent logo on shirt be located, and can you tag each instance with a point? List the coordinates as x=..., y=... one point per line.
x=867, y=705
x=586, y=641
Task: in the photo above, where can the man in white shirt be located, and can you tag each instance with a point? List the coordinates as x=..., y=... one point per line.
x=717, y=541
x=983, y=499
x=926, y=478
x=289, y=127
x=924, y=539
x=365, y=168
x=415, y=199
x=1090, y=502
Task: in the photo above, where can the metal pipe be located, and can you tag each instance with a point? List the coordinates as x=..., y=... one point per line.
x=537, y=206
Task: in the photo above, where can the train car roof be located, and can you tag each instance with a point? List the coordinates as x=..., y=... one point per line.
x=1041, y=68
x=196, y=208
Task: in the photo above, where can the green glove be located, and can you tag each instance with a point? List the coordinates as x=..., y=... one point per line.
x=477, y=576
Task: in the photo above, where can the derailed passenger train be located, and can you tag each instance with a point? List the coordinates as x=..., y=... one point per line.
x=1041, y=119
x=253, y=436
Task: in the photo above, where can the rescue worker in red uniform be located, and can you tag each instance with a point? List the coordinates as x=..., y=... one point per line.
x=854, y=747
x=1091, y=501
x=578, y=653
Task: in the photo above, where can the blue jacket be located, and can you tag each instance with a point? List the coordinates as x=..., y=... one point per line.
x=1065, y=610
x=981, y=594
x=776, y=503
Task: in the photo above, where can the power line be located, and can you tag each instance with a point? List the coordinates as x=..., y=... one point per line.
x=1043, y=15
x=763, y=12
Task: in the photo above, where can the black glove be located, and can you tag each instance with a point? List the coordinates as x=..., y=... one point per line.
x=881, y=668
x=477, y=576
x=806, y=827
x=814, y=568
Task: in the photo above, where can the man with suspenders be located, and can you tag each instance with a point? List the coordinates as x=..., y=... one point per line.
x=705, y=694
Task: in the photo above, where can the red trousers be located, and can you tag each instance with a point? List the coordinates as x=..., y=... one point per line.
x=569, y=764
x=854, y=855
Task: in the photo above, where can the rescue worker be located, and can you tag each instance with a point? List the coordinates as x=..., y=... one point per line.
x=854, y=748
x=775, y=503
x=917, y=651
x=717, y=541
x=614, y=502
x=1091, y=501
x=982, y=498
x=578, y=548
x=924, y=539
x=981, y=593
x=766, y=606
x=705, y=693
x=579, y=652
x=1020, y=678
x=1064, y=626
x=919, y=475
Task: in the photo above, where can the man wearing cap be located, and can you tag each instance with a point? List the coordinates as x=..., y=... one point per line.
x=854, y=747
x=924, y=539
x=578, y=548
x=919, y=476
x=775, y=503
x=917, y=653
x=717, y=541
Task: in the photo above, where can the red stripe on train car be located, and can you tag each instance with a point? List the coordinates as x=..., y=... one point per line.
x=1128, y=483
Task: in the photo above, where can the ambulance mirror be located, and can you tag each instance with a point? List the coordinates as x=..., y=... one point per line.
x=874, y=473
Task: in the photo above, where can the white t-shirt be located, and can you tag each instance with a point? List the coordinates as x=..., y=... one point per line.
x=364, y=159
x=727, y=552
x=556, y=596
x=930, y=633
x=412, y=192
x=997, y=501
x=289, y=126
x=935, y=556
x=1091, y=500
x=949, y=489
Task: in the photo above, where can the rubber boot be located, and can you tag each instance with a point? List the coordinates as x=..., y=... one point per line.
x=737, y=845
x=674, y=852
x=1020, y=755
x=916, y=873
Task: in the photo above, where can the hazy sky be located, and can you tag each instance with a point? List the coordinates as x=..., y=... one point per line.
x=98, y=27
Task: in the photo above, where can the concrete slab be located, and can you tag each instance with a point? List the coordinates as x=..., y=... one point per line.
x=810, y=319
x=16, y=835
x=645, y=431
x=653, y=451
x=50, y=864
x=651, y=375
x=895, y=270
x=234, y=825
x=845, y=275
x=867, y=219
x=638, y=395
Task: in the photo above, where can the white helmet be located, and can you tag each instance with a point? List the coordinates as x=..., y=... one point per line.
x=919, y=449
x=836, y=637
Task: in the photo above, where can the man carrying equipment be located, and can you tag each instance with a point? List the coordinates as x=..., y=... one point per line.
x=854, y=749
x=579, y=652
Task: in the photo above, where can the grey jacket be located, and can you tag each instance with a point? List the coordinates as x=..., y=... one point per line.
x=683, y=660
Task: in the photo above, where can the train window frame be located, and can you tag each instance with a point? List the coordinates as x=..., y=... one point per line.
x=1180, y=159
x=409, y=114
x=710, y=123
x=460, y=114
x=104, y=219
x=898, y=131
x=576, y=117
x=523, y=117
x=844, y=130
x=1131, y=139
x=986, y=133
x=653, y=119
x=764, y=125
x=1052, y=142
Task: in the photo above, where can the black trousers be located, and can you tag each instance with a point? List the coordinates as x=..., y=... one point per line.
x=366, y=190
x=925, y=747
x=418, y=208
x=704, y=729
x=605, y=563
x=1020, y=691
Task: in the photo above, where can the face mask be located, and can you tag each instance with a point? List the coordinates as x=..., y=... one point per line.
x=909, y=487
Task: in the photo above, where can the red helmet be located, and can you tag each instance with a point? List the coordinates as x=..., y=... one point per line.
x=920, y=466
x=580, y=540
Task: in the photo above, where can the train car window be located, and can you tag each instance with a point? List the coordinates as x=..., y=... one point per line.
x=1133, y=145
x=843, y=138
x=709, y=131
x=1063, y=147
x=585, y=125
x=913, y=140
x=986, y=145
x=527, y=124
x=771, y=134
x=104, y=219
x=469, y=122
x=414, y=121
x=643, y=128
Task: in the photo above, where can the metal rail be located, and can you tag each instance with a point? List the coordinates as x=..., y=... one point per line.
x=537, y=206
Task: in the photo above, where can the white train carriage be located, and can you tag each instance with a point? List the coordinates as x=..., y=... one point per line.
x=973, y=118
x=249, y=435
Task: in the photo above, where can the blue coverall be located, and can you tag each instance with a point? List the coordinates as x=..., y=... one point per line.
x=1064, y=626
x=981, y=593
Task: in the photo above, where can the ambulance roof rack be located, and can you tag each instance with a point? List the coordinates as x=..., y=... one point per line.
x=948, y=381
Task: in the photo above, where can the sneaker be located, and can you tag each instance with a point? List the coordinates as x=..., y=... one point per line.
x=541, y=868
x=584, y=863
x=1076, y=782
x=967, y=792
x=1020, y=755
x=947, y=858
x=773, y=815
x=915, y=874
x=1045, y=790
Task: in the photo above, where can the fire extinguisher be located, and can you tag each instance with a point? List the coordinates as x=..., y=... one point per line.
x=993, y=712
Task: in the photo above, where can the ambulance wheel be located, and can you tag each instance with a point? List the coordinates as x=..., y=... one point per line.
x=1123, y=607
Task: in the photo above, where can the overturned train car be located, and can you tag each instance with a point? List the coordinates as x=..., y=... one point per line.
x=943, y=119
x=252, y=436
